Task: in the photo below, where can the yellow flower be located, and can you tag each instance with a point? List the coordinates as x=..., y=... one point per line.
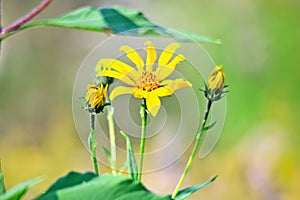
x=96, y=95
x=214, y=89
x=216, y=79
x=144, y=82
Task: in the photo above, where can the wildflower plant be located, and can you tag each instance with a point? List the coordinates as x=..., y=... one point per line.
x=214, y=89
x=147, y=79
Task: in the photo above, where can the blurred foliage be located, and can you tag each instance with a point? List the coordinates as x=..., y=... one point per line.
x=18, y=191
x=257, y=155
x=96, y=187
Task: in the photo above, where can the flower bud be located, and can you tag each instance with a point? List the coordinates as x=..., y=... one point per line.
x=215, y=84
x=216, y=79
x=96, y=97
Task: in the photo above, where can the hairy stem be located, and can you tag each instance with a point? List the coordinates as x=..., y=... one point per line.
x=195, y=149
x=92, y=143
x=143, y=113
x=26, y=18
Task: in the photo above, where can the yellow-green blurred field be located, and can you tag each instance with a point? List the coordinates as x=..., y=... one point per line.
x=258, y=154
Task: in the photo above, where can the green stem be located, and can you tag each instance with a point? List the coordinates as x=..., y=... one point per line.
x=112, y=137
x=143, y=113
x=195, y=149
x=92, y=143
x=0, y=22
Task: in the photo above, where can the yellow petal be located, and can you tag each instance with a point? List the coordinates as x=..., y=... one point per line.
x=216, y=70
x=216, y=79
x=118, y=66
x=139, y=93
x=120, y=90
x=153, y=104
x=134, y=57
x=175, y=84
x=165, y=70
x=105, y=90
x=167, y=54
x=151, y=56
x=117, y=75
x=162, y=91
x=95, y=95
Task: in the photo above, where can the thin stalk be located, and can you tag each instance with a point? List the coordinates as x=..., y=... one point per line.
x=195, y=149
x=92, y=143
x=0, y=16
x=26, y=18
x=143, y=113
x=0, y=23
x=112, y=137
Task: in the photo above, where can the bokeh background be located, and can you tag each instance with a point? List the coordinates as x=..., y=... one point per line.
x=257, y=155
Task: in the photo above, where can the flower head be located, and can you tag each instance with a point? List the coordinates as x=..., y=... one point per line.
x=96, y=97
x=215, y=84
x=216, y=79
x=145, y=82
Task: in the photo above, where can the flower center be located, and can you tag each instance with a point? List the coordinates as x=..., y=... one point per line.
x=148, y=82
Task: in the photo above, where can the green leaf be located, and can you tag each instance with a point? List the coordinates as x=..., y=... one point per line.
x=122, y=168
x=209, y=126
x=2, y=187
x=19, y=190
x=92, y=144
x=183, y=194
x=86, y=18
x=106, y=187
x=184, y=36
x=117, y=20
x=132, y=166
x=106, y=153
x=71, y=179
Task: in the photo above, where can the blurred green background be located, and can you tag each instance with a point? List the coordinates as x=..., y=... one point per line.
x=258, y=154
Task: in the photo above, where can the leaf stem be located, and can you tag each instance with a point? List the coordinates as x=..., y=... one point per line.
x=112, y=137
x=92, y=143
x=195, y=149
x=143, y=113
x=26, y=18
